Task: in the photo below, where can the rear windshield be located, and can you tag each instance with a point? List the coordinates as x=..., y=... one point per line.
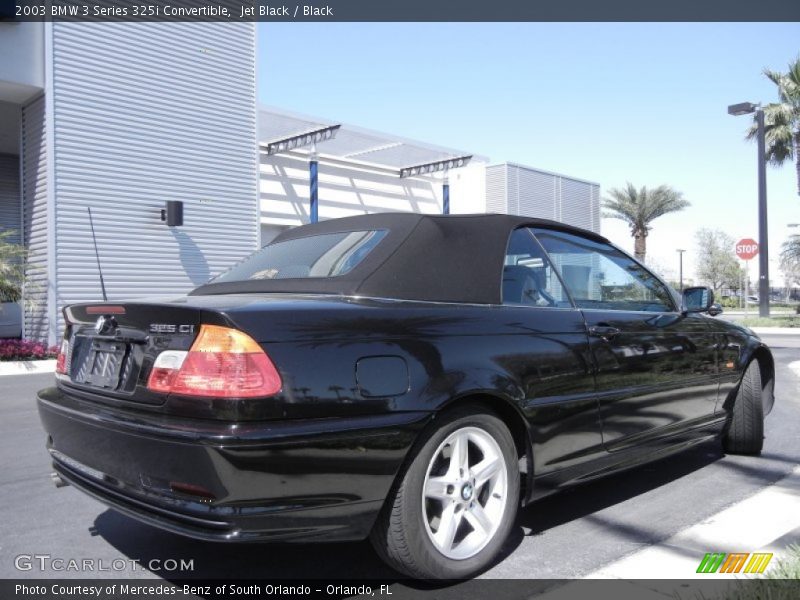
x=326, y=255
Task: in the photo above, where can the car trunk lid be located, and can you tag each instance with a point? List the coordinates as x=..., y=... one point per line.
x=111, y=347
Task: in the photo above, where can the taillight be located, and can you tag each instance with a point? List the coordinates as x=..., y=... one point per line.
x=222, y=363
x=62, y=360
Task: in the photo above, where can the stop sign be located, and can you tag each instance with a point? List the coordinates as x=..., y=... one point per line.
x=746, y=248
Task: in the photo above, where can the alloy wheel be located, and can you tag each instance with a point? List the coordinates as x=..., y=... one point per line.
x=464, y=493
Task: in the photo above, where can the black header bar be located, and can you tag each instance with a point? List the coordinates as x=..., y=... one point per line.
x=402, y=10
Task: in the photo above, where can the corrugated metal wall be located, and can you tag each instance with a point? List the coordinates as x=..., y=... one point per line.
x=10, y=217
x=145, y=113
x=34, y=219
x=518, y=190
x=496, y=189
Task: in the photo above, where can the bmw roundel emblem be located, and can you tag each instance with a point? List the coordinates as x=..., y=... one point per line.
x=100, y=324
x=104, y=324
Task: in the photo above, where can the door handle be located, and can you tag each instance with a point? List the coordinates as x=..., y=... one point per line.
x=605, y=332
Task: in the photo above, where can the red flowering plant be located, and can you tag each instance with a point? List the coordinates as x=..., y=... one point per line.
x=12, y=349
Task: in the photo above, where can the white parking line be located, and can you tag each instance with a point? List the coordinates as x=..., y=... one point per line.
x=748, y=526
x=795, y=367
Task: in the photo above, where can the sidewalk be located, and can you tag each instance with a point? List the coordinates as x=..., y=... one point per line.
x=776, y=330
x=25, y=367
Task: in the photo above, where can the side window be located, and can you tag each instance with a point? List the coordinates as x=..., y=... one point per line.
x=528, y=277
x=600, y=276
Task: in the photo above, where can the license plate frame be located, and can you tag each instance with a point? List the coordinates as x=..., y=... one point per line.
x=103, y=364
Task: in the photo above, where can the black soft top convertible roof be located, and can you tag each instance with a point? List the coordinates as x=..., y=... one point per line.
x=433, y=258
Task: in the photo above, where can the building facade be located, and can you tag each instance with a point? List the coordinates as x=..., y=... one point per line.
x=359, y=172
x=120, y=118
x=519, y=190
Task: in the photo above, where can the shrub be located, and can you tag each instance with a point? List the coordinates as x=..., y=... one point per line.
x=12, y=268
x=774, y=321
x=12, y=349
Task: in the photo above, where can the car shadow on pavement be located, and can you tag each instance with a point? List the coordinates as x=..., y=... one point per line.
x=357, y=560
x=588, y=498
x=218, y=560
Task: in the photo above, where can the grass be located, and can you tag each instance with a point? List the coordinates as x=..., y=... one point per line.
x=788, y=567
x=775, y=321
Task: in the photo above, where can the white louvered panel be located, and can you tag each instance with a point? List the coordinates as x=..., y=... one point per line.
x=34, y=219
x=533, y=193
x=576, y=203
x=496, y=189
x=145, y=114
x=512, y=189
x=596, y=208
x=10, y=218
x=536, y=194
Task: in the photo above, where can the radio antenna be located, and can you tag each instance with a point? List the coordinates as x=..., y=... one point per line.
x=97, y=255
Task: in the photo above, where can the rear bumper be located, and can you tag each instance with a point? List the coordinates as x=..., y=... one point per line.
x=322, y=479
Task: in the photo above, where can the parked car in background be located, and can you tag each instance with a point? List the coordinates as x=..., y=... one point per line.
x=408, y=378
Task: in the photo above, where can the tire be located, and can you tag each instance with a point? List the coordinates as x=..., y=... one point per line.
x=745, y=433
x=457, y=527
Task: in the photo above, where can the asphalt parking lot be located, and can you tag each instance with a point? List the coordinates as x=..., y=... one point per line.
x=564, y=536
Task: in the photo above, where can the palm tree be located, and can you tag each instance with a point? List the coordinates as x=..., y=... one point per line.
x=639, y=208
x=782, y=119
x=790, y=257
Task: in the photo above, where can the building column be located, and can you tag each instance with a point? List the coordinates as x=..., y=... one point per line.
x=313, y=169
x=446, y=195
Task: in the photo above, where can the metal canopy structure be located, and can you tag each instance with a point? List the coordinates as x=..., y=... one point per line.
x=381, y=150
x=434, y=167
x=307, y=138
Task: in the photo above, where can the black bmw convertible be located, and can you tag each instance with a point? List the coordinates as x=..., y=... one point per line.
x=407, y=378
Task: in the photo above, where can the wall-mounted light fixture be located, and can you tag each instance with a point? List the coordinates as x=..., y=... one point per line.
x=173, y=213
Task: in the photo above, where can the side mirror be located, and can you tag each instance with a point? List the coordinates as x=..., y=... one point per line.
x=697, y=299
x=715, y=309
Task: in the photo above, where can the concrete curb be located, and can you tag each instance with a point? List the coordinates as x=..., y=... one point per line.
x=777, y=330
x=27, y=367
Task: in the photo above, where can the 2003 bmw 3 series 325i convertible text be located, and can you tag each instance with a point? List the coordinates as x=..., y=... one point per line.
x=408, y=378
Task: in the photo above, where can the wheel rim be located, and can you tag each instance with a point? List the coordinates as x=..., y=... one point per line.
x=464, y=493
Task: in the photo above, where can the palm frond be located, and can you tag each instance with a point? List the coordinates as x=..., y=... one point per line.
x=792, y=83
x=639, y=208
x=780, y=122
x=781, y=119
x=779, y=79
x=790, y=251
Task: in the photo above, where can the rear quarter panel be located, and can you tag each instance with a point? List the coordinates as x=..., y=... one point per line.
x=534, y=360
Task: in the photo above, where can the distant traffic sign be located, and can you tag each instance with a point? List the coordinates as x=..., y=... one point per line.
x=746, y=249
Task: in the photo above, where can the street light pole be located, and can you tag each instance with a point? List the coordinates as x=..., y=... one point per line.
x=745, y=108
x=763, y=244
x=680, y=267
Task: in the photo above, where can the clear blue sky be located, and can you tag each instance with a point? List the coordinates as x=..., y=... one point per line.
x=639, y=102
